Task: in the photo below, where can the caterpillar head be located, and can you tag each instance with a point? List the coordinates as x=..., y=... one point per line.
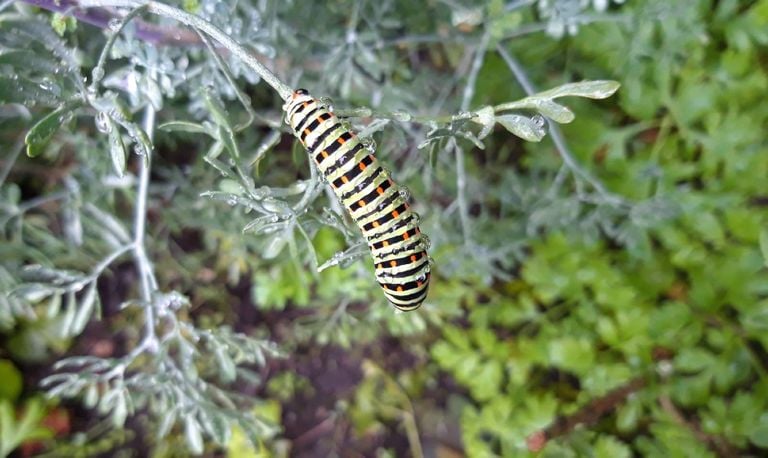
x=298, y=97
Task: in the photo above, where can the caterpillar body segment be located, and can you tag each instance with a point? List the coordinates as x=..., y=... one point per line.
x=370, y=196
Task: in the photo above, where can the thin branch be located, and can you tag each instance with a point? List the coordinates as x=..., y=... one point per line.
x=147, y=281
x=461, y=171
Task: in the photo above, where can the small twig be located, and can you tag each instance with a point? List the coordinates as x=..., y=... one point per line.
x=587, y=415
x=99, y=268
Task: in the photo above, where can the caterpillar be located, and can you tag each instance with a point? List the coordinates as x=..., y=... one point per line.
x=398, y=248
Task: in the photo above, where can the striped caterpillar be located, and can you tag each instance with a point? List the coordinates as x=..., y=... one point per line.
x=398, y=248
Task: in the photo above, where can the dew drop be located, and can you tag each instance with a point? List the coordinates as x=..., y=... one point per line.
x=326, y=102
x=415, y=218
x=461, y=115
x=97, y=74
x=404, y=193
x=103, y=123
x=369, y=144
x=402, y=116
x=114, y=24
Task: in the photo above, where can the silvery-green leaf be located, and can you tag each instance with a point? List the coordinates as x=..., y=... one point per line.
x=599, y=89
x=41, y=133
x=85, y=310
x=193, y=436
x=522, y=126
x=34, y=292
x=116, y=148
x=256, y=224
x=555, y=111
x=226, y=365
x=274, y=246
x=120, y=412
x=69, y=316
x=471, y=137
x=487, y=118
x=91, y=396
x=153, y=92
x=216, y=108
x=167, y=420
x=227, y=137
x=183, y=126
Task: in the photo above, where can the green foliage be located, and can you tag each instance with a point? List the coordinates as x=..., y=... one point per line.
x=15, y=431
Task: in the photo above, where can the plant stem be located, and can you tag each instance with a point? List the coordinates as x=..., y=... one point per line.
x=147, y=281
x=461, y=171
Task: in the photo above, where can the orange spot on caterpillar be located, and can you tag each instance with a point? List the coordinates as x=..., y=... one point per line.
x=344, y=179
x=393, y=263
x=361, y=203
x=413, y=258
x=306, y=131
x=395, y=214
x=362, y=166
x=385, y=243
x=324, y=153
x=379, y=190
x=406, y=236
x=399, y=289
x=376, y=224
x=341, y=141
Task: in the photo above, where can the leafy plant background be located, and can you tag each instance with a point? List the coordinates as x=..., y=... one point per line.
x=599, y=293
